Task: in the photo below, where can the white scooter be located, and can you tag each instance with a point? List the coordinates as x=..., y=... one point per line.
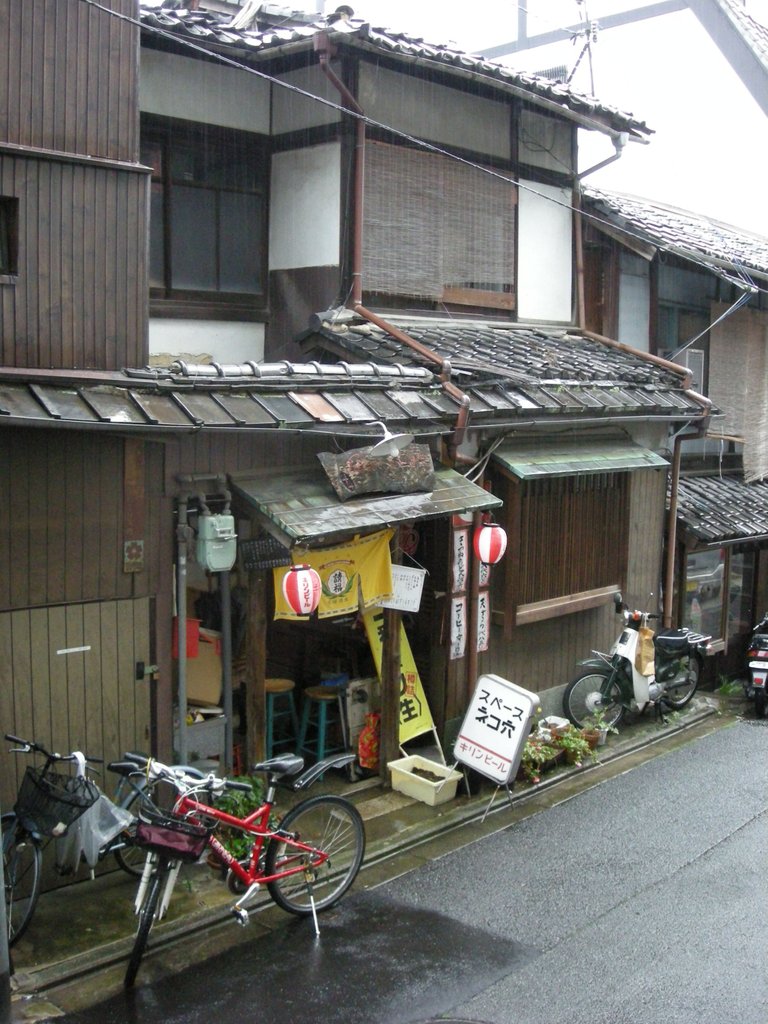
x=642, y=668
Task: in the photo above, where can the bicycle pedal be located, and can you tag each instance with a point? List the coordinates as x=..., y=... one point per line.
x=241, y=915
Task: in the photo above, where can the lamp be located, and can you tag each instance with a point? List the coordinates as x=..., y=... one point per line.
x=301, y=589
x=390, y=444
x=490, y=543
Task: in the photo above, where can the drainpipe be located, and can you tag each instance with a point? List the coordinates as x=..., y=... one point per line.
x=323, y=49
x=182, y=535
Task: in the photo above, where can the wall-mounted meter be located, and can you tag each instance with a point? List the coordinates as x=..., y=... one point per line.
x=216, y=542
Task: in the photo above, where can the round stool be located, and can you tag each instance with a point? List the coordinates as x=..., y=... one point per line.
x=282, y=720
x=321, y=709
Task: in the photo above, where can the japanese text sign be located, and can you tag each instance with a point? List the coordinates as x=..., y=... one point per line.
x=495, y=728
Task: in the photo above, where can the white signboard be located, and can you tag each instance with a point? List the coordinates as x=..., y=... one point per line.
x=407, y=585
x=495, y=728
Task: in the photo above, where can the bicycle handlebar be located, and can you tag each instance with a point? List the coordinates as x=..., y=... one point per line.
x=32, y=746
x=185, y=777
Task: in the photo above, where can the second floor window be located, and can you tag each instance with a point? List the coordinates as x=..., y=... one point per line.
x=207, y=213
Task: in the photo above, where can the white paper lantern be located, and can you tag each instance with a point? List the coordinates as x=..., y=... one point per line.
x=490, y=543
x=302, y=589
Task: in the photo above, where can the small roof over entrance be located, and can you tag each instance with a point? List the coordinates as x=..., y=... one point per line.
x=531, y=459
x=299, y=506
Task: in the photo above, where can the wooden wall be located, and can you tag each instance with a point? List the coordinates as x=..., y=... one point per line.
x=70, y=76
x=67, y=503
x=542, y=655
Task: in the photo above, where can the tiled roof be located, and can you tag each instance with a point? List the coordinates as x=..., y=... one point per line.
x=719, y=510
x=724, y=249
x=526, y=370
x=753, y=31
x=276, y=32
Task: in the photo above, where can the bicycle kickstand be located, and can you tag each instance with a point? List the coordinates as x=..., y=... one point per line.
x=314, y=911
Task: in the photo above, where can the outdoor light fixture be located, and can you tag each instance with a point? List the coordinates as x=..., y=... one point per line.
x=390, y=444
x=490, y=543
x=301, y=589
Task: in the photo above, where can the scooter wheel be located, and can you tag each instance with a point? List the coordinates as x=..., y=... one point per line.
x=760, y=703
x=589, y=691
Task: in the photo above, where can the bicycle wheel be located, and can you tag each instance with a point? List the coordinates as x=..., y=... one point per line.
x=586, y=693
x=146, y=920
x=22, y=860
x=681, y=689
x=329, y=824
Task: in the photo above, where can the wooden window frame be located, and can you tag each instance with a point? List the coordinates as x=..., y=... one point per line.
x=552, y=566
x=9, y=238
x=167, y=300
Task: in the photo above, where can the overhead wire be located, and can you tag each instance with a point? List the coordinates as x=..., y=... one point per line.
x=412, y=139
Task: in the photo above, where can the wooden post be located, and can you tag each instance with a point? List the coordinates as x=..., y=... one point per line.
x=255, y=669
x=389, y=748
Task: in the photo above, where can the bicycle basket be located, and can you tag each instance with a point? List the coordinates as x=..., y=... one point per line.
x=49, y=803
x=175, y=837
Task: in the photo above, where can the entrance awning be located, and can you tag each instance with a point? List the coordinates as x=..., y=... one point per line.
x=299, y=506
x=570, y=458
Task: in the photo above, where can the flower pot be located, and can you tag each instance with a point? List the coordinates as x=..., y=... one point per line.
x=592, y=736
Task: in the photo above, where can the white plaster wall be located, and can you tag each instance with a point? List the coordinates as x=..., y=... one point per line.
x=294, y=112
x=634, y=302
x=304, y=216
x=195, y=90
x=435, y=112
x=545, y=261
x=204, y=341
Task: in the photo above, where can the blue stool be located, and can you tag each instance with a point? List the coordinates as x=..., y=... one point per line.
x=321, y=709
x=281, y=712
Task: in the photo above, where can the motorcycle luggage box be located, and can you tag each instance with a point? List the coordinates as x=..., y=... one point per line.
x=671, y=641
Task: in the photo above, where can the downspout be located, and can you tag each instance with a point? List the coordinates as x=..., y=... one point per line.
x=182, y=537
x=323, y=49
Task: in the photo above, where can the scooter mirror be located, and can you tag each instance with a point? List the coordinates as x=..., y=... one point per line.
x=618, y=601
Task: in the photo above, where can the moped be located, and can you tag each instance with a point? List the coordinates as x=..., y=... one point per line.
x=757, y=666
x=642, y=669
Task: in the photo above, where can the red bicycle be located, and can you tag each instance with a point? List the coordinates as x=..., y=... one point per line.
x=308, y=862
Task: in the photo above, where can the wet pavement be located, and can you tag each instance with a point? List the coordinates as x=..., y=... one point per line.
x=75, y=951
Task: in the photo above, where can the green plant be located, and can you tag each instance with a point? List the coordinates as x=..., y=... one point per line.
x=238, y=803
x=597, y=721
x=575, y=745
x=536, y=754
x=728, y=688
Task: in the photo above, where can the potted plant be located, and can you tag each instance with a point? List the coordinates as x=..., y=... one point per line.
x=238, y=803
x=597, y=723
x=537, y=756
x=575, y=744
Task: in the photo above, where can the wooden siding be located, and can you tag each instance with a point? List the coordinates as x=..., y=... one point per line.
x=70, y=78
x=541, y=655
x=85, y=700
x=80, y=297
x=63, y=518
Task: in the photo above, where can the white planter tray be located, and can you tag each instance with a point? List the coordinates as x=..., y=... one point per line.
x=432, y=793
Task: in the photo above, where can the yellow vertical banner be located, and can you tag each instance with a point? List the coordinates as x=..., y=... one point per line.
x=415, y=716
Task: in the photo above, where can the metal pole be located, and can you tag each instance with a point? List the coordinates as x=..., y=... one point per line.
x=5, y=959
x=226, y=664
x=181, y=624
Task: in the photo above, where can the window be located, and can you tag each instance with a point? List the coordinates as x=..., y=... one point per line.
x=207, y=213
x=9, y=236
x=568, y=540
x=437, y=229
x=723, y=611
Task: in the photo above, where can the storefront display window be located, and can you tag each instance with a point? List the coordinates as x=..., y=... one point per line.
x=706, y=593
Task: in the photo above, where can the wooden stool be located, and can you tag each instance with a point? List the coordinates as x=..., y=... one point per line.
x=320, y=710
x=281, y=705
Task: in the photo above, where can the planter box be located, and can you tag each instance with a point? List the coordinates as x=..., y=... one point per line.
x=428, y=792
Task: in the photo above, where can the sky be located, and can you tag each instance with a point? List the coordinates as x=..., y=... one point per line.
x=710, y=142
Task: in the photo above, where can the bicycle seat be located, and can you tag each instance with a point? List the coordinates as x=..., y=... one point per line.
x=124, y=768
x=280, y=766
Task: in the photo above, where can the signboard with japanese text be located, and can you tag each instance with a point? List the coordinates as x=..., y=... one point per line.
x=495, y=728
x=407, y=585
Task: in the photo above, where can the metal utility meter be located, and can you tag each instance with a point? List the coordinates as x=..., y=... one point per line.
x=216, y=542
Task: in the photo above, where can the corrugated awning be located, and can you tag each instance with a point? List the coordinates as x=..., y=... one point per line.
x=570, y=458
x=299, y=507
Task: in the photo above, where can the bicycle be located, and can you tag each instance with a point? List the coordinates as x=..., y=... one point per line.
x=307, y=862
x=47, y=804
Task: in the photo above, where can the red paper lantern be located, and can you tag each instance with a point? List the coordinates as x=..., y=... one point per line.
x=490, y=543
x=301, y=589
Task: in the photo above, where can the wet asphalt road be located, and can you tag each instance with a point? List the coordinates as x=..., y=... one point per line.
x=643, y=899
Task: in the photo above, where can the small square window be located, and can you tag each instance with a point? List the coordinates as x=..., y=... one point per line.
x=9, y=235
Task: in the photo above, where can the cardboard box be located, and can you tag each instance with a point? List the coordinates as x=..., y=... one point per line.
x=429, y=792
x=204, y=671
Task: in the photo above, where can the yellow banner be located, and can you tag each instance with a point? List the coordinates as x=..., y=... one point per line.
x=415, y=716
x=352, y=574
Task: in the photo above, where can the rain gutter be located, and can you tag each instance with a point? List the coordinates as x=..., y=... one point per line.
x=324, y=50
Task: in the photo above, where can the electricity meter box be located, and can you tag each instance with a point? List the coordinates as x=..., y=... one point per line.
x=216, y=542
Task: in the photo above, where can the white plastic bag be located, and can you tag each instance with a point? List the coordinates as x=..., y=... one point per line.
x=99, y=825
